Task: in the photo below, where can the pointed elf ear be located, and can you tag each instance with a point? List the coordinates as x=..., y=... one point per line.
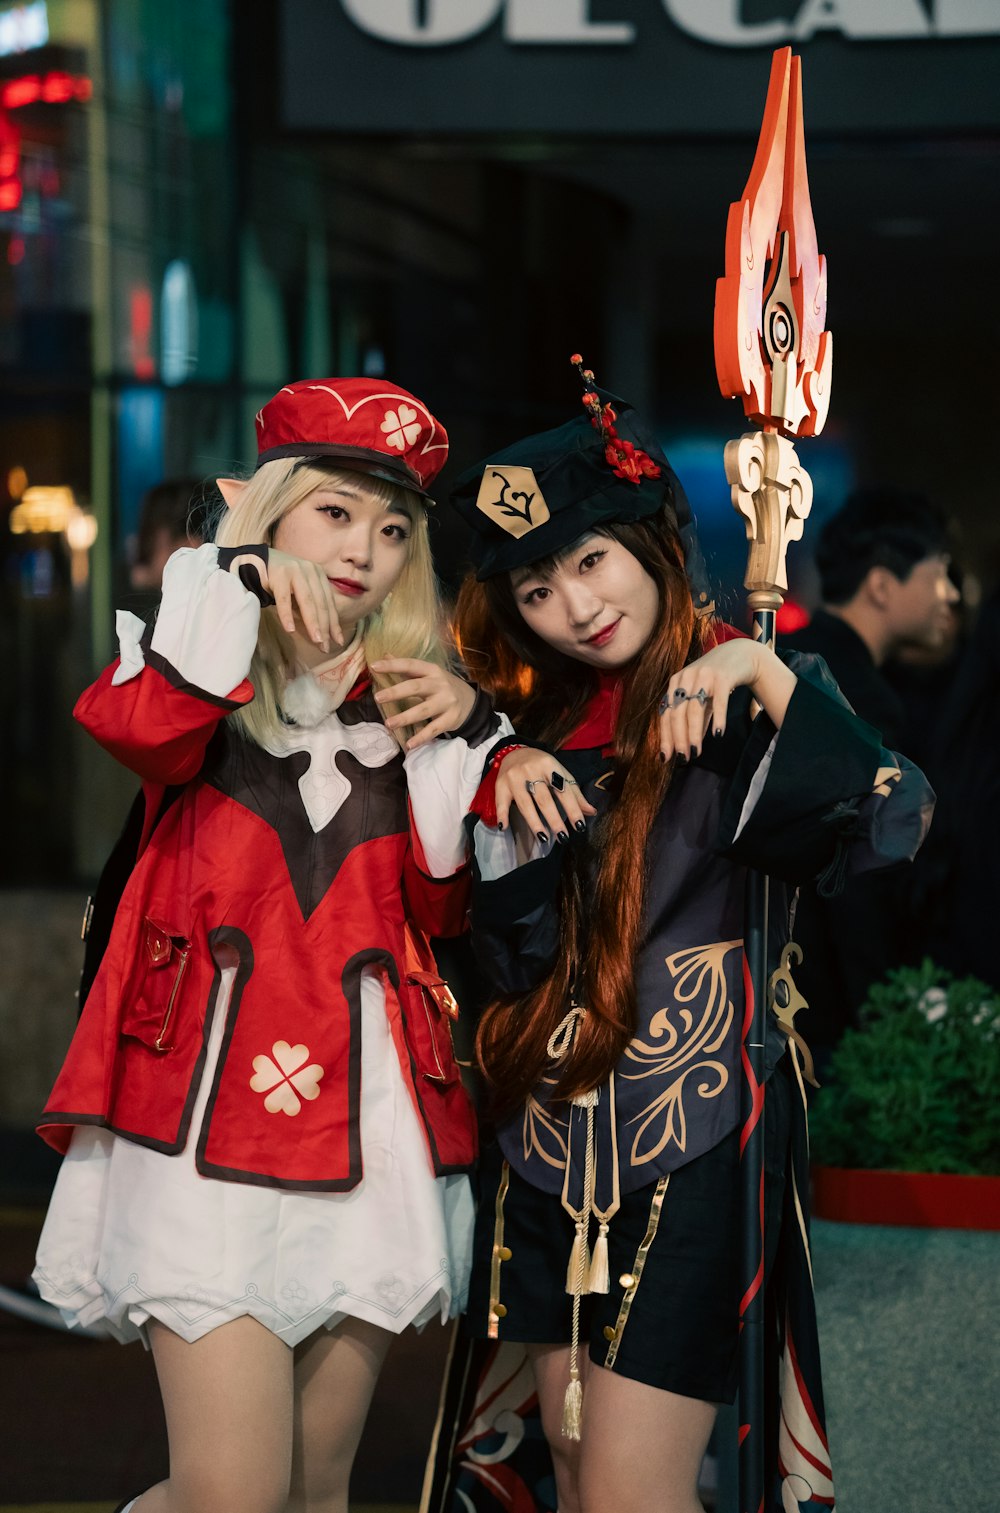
x=232, y=490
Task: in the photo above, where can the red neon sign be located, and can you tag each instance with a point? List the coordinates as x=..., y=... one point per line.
x=56, y=88
x=10, y=162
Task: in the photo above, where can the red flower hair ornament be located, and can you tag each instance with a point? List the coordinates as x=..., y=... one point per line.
x=624, y=459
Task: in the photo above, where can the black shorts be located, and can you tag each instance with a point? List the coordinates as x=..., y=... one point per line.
x=671, y=1316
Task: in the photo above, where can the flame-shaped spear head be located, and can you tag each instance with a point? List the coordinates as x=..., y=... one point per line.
x=771, y=348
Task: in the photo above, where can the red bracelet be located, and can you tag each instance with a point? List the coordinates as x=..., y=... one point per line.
x=504, y=751
x=484, y=803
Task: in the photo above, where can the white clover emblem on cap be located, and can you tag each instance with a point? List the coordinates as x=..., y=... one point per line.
x=511, y=498
x=286, y=1079
x=401, y=427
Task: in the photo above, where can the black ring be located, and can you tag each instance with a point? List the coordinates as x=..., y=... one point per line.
x=557, y=781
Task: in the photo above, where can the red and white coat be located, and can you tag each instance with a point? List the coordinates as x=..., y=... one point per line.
x=305, y=866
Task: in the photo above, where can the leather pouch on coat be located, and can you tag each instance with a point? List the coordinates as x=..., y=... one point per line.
x=151, y=1013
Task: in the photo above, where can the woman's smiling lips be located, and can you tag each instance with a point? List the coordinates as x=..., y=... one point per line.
x=603, y=636
x=348, y=586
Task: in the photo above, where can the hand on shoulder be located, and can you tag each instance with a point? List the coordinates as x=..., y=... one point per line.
x=543, y=792
x=697, y=697
x=445, y=699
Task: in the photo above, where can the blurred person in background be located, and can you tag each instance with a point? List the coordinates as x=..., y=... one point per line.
x=958, y=874
x=171, y=514
x=923, y=676
x=264, y=1129
x=883, y=563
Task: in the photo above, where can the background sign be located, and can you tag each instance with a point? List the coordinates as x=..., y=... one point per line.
x=634, y=67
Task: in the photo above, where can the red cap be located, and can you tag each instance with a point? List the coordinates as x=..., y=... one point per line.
x=369, y=425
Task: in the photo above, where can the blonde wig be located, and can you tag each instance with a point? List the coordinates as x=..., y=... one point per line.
x=409, y=622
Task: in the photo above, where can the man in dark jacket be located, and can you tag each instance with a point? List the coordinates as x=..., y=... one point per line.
x=883, y=566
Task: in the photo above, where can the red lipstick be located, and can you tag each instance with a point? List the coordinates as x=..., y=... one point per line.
x=602, y=637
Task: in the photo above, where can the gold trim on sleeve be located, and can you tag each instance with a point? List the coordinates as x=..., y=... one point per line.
x=630, y=1280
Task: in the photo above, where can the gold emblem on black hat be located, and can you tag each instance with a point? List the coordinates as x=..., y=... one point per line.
x=511, y=498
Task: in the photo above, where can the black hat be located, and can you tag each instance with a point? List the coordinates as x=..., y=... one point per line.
x=538, y=495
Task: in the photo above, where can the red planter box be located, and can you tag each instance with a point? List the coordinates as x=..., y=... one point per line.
x=933, y=1200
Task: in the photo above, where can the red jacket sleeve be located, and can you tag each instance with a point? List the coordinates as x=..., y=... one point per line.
x=155, y=724
x=436, y=905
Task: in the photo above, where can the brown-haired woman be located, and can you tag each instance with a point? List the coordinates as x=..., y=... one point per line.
x=668, y=755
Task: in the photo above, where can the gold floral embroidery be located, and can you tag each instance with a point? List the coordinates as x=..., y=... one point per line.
x=682, y=1041
x=542, y=1134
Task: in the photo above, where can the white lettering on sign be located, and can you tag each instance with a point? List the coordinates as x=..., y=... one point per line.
x=861, y=19
x=435, y=23
x=431, y=25
x=561, y=21
x=720, y=21
x=967, y=18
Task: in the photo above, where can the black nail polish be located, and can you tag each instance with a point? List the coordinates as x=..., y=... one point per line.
x=682, y=758
x=543, y=837
x=499, y=824
x=692, y=753
x=717, y=731
x=662, y=756
x=562, y=837
x=581, y=825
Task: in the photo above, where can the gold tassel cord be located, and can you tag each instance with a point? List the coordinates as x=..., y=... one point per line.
x=578, y=1269
x=578, y=1277
x=500, y=1254
x=578, y=1266
x=599, y=1278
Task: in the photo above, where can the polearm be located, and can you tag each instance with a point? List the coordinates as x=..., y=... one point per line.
x=772, y=352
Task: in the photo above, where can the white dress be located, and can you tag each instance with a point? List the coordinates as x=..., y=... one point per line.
x=133, y=1235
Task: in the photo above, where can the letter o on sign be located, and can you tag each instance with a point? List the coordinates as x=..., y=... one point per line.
x=444, y=20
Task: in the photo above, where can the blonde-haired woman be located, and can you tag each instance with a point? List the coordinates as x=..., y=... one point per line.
x=265, y=1132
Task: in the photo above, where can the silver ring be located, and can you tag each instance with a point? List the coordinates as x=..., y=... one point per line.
x=701, y=696
x=537, y=783
x=531, y=786
x=680, y=694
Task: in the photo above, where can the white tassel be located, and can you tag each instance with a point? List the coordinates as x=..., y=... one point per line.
x=599, y=1280
x=573, y=1408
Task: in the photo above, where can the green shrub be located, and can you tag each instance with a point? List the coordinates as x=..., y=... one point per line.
x=917, y=1086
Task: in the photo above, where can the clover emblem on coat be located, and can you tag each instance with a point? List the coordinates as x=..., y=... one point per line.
x=401, y=427
x=286, y=1078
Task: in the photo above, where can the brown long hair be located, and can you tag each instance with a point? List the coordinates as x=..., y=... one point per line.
x=545, y=695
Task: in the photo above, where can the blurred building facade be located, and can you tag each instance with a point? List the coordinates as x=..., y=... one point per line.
x=200, y=200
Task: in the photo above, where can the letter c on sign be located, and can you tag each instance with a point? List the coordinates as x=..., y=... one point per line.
x=444, y=20
x=719, y=21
